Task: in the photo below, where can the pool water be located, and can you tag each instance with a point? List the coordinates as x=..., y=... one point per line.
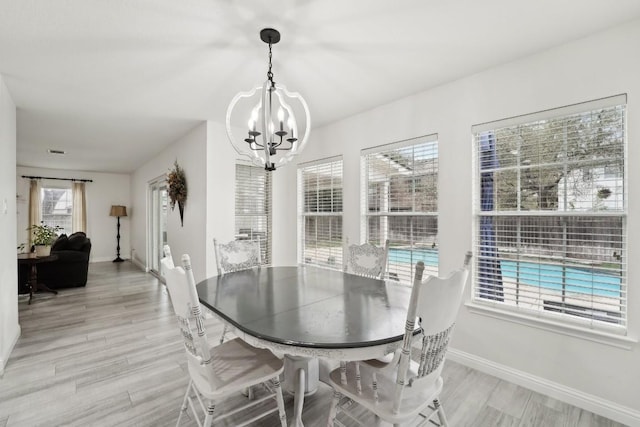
x=548, y=276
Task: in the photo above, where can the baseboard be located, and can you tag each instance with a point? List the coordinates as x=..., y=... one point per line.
x=4, y=358
x=133, y=261
x=101, y=259
x=597, y=405
x=139, y=264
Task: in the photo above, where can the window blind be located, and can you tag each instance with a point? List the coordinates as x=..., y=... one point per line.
x=320, y=198
x=550, y=212
x=253, y=207
x=400, y=203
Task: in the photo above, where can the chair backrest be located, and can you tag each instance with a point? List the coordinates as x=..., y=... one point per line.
x=237, y=255
x=186, y=305
x=366, y=259
x=434, y=303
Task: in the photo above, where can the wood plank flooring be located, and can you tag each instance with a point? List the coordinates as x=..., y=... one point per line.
x=110, y=354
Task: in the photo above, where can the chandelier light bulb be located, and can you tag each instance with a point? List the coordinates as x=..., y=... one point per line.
x=290, y=123
x=281, y=117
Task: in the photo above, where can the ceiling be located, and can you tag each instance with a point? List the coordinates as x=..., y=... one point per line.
x=113, y=83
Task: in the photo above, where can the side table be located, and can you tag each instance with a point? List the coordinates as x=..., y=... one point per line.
x=32, y=260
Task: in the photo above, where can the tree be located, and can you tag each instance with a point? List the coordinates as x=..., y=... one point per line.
x=537, y=158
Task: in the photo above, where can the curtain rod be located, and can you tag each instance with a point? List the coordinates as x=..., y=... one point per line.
x=61, y=179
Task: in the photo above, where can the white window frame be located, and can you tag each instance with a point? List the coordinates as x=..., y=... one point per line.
x=259, y=216
x=333, y=253
x=395, y=270
x=573, y=325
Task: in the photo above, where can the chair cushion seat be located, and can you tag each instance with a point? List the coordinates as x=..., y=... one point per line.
x=236, y=366
x=414, y=399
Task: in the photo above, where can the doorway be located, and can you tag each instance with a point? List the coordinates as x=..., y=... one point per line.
x=158, y=203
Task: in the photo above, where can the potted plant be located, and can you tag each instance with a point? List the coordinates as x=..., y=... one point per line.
x=43, y=237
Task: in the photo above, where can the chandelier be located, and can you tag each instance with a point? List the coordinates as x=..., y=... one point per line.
x=272, y=136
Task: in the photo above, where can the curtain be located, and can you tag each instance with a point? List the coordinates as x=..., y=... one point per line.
x=35, y=211
x=79, y=213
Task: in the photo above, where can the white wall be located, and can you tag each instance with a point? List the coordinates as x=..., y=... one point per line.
x=106, y=189
x=190, y=152
x=9, y=327
x=595, y=67
x=209, y=163
x=221, y=173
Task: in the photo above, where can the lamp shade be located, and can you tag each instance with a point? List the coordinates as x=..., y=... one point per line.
x=117, y=210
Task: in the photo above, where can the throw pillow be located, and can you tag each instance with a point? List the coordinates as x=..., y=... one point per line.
x=61, y=243
x=77, y=241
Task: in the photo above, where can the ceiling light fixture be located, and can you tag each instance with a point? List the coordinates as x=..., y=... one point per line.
x=268, y=108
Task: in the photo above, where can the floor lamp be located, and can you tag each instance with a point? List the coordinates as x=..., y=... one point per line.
x=117, y=210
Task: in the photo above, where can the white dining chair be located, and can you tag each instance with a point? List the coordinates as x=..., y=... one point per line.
x=366, y=260
x=221, y=371
x=235, y=256
x=408, y=388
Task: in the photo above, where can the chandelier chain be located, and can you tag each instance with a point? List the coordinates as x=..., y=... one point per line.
x=269, y=73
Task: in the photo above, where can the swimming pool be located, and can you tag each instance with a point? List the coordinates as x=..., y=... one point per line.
x=548, y=276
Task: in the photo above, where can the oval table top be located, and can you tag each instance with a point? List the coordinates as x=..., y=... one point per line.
x=306, y=306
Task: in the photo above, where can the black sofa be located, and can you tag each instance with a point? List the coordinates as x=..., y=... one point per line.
x=72, y=266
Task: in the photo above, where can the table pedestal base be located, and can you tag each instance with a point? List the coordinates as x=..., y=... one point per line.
x=300, y=379
x=34, y=286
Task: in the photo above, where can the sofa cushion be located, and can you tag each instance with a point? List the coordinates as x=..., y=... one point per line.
x=76, y=241
x=70, y=257
x=61, y=243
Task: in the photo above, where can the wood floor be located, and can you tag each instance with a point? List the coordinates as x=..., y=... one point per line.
x=110, y=355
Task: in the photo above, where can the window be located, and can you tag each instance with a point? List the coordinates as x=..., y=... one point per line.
x=253, y=207
x=400, y=203
x=57, y=207
x=320, y=207
x=550, y=214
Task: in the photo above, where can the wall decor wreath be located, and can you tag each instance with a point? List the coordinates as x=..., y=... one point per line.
x=177, y=189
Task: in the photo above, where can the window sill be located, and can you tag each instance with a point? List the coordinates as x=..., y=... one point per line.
x=615, y=340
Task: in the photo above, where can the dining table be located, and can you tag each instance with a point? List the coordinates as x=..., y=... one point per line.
x=307, y=312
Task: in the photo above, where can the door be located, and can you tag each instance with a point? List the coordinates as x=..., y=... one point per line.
x=157, y=222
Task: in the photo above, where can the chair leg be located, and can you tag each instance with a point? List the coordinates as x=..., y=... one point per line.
x=183, y=408
x=208, y=419
x=280, y=401
x=440, y=410
x=343, y=373
x=333, y=411
x=374, y=386
x=224, y=332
